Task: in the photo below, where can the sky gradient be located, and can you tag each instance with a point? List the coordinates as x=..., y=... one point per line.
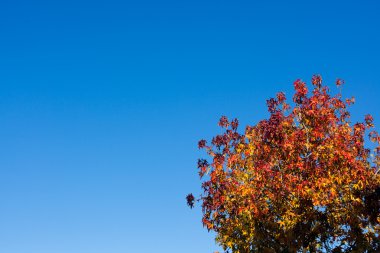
x=102, y=104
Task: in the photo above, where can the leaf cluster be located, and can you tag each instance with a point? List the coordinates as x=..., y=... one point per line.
x=300, y=181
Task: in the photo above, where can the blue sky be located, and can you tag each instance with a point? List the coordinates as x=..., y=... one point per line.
x=102, y=104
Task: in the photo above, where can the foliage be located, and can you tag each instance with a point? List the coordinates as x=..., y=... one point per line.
x=300, y=181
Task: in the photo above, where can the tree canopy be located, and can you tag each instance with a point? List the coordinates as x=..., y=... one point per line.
x=300, y=181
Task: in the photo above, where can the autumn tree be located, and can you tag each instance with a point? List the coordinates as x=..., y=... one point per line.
x=300, y=181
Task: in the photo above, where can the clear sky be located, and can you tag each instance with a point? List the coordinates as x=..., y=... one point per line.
x=102, y=104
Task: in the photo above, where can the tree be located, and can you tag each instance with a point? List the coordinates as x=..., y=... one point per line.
x=300, y=181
